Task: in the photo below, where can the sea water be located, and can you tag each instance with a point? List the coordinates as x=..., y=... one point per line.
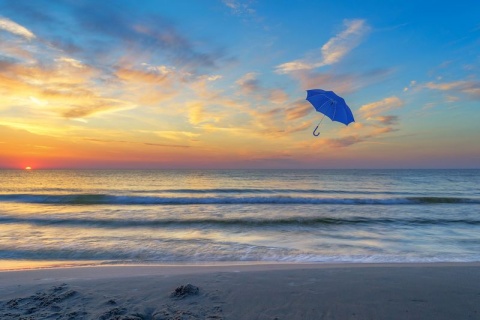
x=213, y=216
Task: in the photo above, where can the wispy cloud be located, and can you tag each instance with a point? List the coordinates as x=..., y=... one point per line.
x=142, y=76
x=278, y=96
x=71, y=61
x=96, y=106
x=167, y=145
x=387, y=120
x=375, y=108
x=148, y=34
x=344, y=141
x=332, y=51
x=13, y=27
x=342, y=83
x=299, y=110
x=240, y=7
x=132, y=142
x=372, y=133
x=176, y=135
x=469, y=87
x=249, y=83
x=199, y=112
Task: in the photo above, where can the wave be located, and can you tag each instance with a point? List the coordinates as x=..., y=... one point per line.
x=234, y=222
x=105, y=199
x=263, y=191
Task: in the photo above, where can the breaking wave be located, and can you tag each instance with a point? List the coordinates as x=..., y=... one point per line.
x=107, y=199
x=234, y=222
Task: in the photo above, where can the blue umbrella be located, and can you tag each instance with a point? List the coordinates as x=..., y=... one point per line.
x=330, y=105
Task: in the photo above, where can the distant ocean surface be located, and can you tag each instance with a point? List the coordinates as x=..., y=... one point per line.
x=210, y=216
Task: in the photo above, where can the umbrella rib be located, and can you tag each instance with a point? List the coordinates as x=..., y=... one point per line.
x=328, y=100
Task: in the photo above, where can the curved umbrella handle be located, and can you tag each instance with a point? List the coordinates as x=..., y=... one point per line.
x=316, y=135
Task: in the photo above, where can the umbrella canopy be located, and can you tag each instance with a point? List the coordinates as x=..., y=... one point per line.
x=331, y=105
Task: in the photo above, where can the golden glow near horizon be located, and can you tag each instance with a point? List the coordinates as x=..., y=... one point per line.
x=28, y=168
x=162, y=97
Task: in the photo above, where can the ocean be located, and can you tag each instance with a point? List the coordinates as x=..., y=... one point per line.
x=69, y=217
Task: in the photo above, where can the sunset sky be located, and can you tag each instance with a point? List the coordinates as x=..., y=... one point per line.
x=221, y=83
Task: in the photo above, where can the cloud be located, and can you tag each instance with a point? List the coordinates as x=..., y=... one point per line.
x=297, y=128
x=387, y=120
x=177, y=46
x=142, y=76
x=343, y=142
x=105, y=141
x=450, y=98
x=144, y=34
x=342, y=83
x=167, y=145
x=249, y=83
x=446, y=85
x=349, y=140
x=278, y=96
x=337, y=47
x=470, y=87
x=239, y=7
x=120, y=58
x=147, y=84
x=98, y=33
x=66, y=87
x=380, y=131
x=14, y=28
x=176, y=135
x=144, y=143
x=92, y=107
x=196, y=113
x=332, y=51
x=375, y=125
x=299, y=110
x=199, y=112
x=375, y=108
x=72, y=62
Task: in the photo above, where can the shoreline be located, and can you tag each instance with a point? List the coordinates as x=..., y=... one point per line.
x=245, y=291
x=33, y=265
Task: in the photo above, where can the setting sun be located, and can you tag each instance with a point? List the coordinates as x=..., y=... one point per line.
x=28, y=168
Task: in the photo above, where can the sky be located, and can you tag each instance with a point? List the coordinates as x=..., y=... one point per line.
x=221, y=84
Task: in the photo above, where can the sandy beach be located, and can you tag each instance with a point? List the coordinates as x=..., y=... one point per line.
x=263, y=291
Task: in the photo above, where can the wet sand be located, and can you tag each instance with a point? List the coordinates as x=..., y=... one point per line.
x=264, y=291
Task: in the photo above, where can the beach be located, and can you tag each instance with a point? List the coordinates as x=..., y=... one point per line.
x=239, y=244
x=244, y=291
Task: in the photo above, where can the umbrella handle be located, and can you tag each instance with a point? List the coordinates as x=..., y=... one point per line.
x=316, y=135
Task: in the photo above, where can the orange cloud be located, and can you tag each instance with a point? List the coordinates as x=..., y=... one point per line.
x=67, y=88
x=344, y=142
x=470, y=87
x=101, y=105
x=375, y=108
x=132, y=75
x=387, y=120
x=299, y=110
x=278, y=96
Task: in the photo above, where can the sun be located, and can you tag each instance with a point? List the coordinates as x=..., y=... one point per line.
x=28, y=168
